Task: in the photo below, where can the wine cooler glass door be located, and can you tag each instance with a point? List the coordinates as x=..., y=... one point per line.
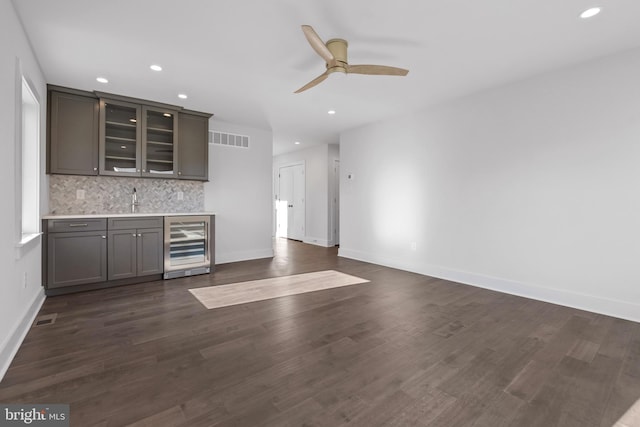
x=186, y=242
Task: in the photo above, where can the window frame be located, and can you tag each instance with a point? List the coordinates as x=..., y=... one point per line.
x=28, y=230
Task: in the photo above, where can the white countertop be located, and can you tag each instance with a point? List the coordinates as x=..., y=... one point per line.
x=124, y=215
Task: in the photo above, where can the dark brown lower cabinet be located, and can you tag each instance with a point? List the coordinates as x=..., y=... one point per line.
x=92, y=253
x=135, y=252
x=150, y=255
x=76, y=258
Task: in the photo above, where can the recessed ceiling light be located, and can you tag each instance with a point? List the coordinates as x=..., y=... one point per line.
x=182, y=96
x=133, y=120
x=590, y=12
x=331, y=112
x=102, y=80
x=155, y=67
x=297, y=142
x=167, y=115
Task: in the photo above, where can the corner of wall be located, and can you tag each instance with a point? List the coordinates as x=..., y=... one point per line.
x=10, y=347
x=610, y=307
x=317, y=241
x=227, y=257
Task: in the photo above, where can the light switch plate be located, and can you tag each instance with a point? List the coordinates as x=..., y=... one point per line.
x=80, y=194
x=180, y=195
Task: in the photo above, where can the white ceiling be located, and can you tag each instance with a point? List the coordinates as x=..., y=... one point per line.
x=242, y=59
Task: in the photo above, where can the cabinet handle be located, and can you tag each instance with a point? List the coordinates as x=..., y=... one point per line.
x=144, y=170
x=139, y=235
x=95, y=169
x=104, y=237
x=134, y=234
x=78, y=225
x=179, y=173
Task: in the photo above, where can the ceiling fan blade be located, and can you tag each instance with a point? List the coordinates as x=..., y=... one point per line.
x=378, y=70
x=313, y=82
x=317, y=44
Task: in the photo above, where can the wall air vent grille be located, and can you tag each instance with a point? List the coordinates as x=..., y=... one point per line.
x=228, y=139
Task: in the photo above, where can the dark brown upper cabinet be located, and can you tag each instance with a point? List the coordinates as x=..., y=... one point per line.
x=129, y=137
x=193, y=150
x=160, y=142
x=72, y=134
x=120, y=138
x=137, y=140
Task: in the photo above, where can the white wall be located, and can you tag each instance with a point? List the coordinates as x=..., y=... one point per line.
x=532, y=188
x=18, y=303
x=239, y=192
x=317, y=188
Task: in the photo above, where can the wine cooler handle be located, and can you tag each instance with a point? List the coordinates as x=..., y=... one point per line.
x=206, y=239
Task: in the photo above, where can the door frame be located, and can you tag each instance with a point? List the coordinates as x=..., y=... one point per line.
x=276, y=195
x=334, y=231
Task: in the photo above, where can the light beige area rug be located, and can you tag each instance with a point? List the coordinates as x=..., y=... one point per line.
x=631, y=418
x=259, y=290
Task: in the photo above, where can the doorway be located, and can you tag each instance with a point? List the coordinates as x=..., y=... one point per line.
x=290, y=202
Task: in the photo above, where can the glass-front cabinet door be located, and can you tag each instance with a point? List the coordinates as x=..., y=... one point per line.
x=159, y=134
x=120, y=147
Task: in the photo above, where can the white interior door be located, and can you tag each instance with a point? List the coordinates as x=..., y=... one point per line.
x=290, y=205
x=285, y=199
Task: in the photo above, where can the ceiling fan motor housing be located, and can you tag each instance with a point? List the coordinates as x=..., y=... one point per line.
x=338, y=47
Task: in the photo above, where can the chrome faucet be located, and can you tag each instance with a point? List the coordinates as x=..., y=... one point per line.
x=134, y=200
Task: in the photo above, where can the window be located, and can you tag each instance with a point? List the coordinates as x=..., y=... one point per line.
x=29, y=164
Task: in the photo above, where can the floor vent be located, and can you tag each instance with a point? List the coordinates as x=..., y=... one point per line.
x=45, y=319
x=228, y=139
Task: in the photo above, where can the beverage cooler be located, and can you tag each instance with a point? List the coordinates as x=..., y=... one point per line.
x=187, y=245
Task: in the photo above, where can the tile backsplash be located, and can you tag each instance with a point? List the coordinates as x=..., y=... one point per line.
x=113, y=195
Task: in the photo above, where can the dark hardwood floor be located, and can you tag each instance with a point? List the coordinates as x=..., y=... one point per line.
x=403, y=350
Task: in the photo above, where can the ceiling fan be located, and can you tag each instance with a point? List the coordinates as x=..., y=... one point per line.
x=334, y=52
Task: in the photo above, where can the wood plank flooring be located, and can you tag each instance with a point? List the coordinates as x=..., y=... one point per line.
x=402, y=350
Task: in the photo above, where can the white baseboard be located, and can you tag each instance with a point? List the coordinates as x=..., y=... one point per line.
x=13, y=343
x=597, y=304
x=317, y=241
x=227, y=257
